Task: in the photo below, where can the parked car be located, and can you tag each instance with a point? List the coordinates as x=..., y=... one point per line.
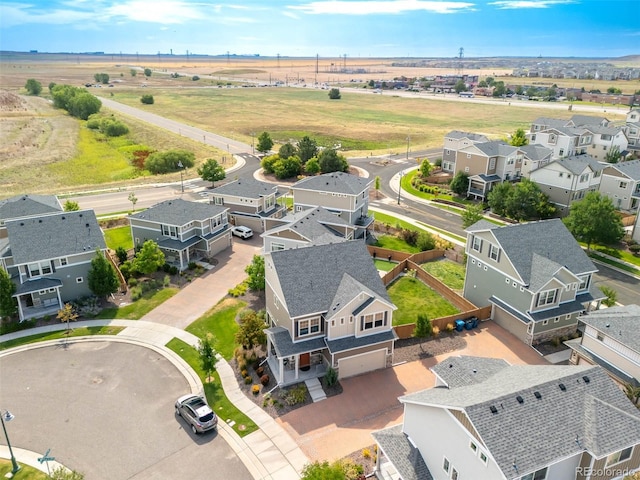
x=242, y=232
x=195, y=411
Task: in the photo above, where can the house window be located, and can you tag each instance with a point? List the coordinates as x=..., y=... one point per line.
x=79, y=280
x=39, y=268
x=466, y=169
x=367, y=322
x=309, y=326
x=468, y=155
x=533, y=138
x=63, y=262
x=477, y=244
x=548, y=297
x=507, y=281
x=169, y=231
x=351, y=319
x=479, y=265
x=454, y=474
x=584, y=177
x=620, y=456
x=446, y=466
x=561, y=152
x=557, y=319
x=342, y=321
x=218, y=200
x=483, y=457
x=448, y=152
x=567, y=316
x=600, y=337
x=276, y=247
x=561, y=174
x=584, y=282
x=494, y=252
x=492, y=164
x=545, y=322
x=473, y=447
x=623, y=185
x=539, y=475
x=333, y=323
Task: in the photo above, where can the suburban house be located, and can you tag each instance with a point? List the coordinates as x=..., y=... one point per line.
x=488, y=420
x=342, y=194
x=250, y=202
x=184, y=231
x=610, y=339
x=489, y=163
x=635, y=231
x=453, y=142
x=48, y=257
x=621, y=183
x=604, y=139
x=632, y=128
x=534, y=275
x=315, y=226
x=567, y=180
x=26, y=206
x=563, y=141
x=535, y=156
x=326, y=307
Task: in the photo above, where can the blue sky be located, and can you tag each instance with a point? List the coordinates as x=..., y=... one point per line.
x=329, y=28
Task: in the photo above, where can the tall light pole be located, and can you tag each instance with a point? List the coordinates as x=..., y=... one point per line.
x=253, y=150
x=8, y=417
x=181, y=167
x=402, y=172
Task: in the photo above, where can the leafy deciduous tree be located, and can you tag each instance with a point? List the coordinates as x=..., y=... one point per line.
x=497, y=198
x=101, y=77
x=211, y=171
x=147, y=72
x=208, y=357
x=460, y=86
x=33, y=86
x=334, y=94
x=133, y=199
x=312, y=167
x=472, y=214
x=147, y=99
x=287, y=150
x=594, y=220
x=460, y=183
x=376, y=184
x=527, y=202
x=67, y=314
x=331, y=161
x=255, y=270
x=102, y=277
x=251, y=331
x=169, y=161
x=71, y=206
x=287, y=167
x=149, y=258
x=425, y=168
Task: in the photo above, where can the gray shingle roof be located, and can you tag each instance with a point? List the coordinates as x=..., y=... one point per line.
x=466, y=370
x=313, y=224
x=630, y=168
x=525, y=243
x=405, y=457
x=351, y=342
x=549, y=122
x=336, y=182
x=596, y=412
x=620, y=323
x=596, y=360
x=38, y=284
x=310, y=277
x=179, y=212
x=599, y=129
x=285, y=347
x=494, y=148
x=54, y=236
x=246, y=187
x=582, y=120
x=28, y=205
x=536, y=152
x=475, y=137
x=577, y=163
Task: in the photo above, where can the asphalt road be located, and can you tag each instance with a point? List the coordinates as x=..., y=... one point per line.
x=106, y=410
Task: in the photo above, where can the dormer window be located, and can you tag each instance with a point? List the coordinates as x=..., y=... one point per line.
x=584, y=282
x=547, y=297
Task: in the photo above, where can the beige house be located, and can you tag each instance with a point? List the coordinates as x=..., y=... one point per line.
x=455, y=141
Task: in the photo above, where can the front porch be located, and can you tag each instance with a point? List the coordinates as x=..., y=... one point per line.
x=287, y=371
x=38, y=298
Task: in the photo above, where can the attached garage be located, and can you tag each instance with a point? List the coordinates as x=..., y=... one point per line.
x=254, y=222
x=362, y=363
x=511, y=324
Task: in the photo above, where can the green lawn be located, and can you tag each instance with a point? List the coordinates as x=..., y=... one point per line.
x=412, y=297
x=214, y=392
x=75, y=332
x=119, y=237
x=220, y=322
x=139, y=308
x=448, y=272
x=26, y=472
x=394, y=243
x=384, y=265
x=393, y=221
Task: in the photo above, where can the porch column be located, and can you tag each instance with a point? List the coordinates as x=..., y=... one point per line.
x=280, y=371
x=181, y=261
x=59, y=297
x=297, y=363
x=20, y=312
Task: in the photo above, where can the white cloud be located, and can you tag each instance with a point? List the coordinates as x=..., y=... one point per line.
x=21, y=13
x=165, y=12
x=345, y=7
x=515, y=4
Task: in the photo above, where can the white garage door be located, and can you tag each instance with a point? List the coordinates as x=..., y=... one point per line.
x=365, y=362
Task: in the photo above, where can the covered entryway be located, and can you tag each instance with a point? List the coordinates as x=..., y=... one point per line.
x=362, y=363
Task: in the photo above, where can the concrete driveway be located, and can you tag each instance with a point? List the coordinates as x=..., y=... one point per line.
x=106, y=409
x=340, y=425
x=204, y=292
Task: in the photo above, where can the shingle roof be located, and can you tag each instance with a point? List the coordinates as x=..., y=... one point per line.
x=582, y=120
x=179, y=212
x=536, y=152
x=599, y=129
x=310, y=277
x=466, y=370
x=619, y=323
x=246, y=187
x=351, y=342
x=336, y=182
x=475, y=137
x=28, y=205
x=577, y=163
x=526, y=243
x=549, y=122
x=630, y=168
x=314, y=225
x=406, y=458
x=494, y=148
x=590, y=409
x=54, y=236
x=37, y=284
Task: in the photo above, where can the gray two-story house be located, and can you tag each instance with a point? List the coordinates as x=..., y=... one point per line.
x=250, y=202
x=342, y=194
x=535, y=276
x=327, y=307
x=621, y=183
x=185, y=231
x=48, y=257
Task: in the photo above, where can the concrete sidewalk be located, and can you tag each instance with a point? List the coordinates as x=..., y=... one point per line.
x=268, y=453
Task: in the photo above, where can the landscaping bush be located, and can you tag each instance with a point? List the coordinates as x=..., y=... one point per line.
x=264, y=380
x=423, y=327
x=635, y=249
x=409, y=236
x=166, y=281
x=435, y=331
x=255, y=389
x=147, y=99
x=113, y=128
x=192, y=265
x=9, y=326
x=259, y=371
x=121, y=254
x=331, y=377
x=296, y=395
x=136, y=293
x=132, y=282
x=450, y=327
x=425, y=241
x=173, y=270
x=244, y=372
x=248, y=380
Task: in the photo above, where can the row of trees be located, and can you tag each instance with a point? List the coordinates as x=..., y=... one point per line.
x=77, y=101
x=108, y=126
x=101, y=78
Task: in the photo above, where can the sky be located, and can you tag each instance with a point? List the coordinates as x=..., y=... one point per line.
x=328, y=28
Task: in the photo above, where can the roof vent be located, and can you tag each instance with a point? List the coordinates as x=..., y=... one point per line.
x=22, y=224
x=537, y=395
x=63, y=217
x=493, y=409
x=86, y=225
x=562, y=387
x=80, y=215
x=451, y=365
x=586, y=379
x=40, y=221
x=520, y=399
x=608, y=325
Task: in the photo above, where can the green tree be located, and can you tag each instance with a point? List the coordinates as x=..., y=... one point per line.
x=425, y=168
x=255, y=270
x=460, y=86
x=133, y=72
x=532, y=92
x=498, y=197
x=33, y=86
x=472, y=214
x=334, y=94
x=83, y=105
x=287, y=167
x=113, y=128
x=614, y=91
x=169, y=161
x=102, y=277
x=264, y=142
x=133, y=199
x=519, y=138
x=51, y=86
x=312, y=167
x=122, y=254
x=149, y=258
x=490, y=81
x=519, y=90
x=268, y=163
x=611, y=294
x=526, y=201
x=425, y=241
x=594, y=220
x=632, y=392
x=613, y=155
x=460, y=183
x=331, y=161
x=101, y=78
x=251, y=330
x=67, y=314
x=307, y=149
x=8, y=304
x=499, y=89
x=147, y=72
x=376, y=184
x=483, y=84
x=71, y=206
x=207, y=356
x=147, y=99
x=211, y=171
x=423, y=327
x=287, y=150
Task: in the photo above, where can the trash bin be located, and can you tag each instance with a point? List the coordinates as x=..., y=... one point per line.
x=475, y=321
x=468, y=324
x=459, y=325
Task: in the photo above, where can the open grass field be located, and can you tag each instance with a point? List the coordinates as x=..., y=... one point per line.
x=412, y=297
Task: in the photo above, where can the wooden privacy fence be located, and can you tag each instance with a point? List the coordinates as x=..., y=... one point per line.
x=406, y=262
